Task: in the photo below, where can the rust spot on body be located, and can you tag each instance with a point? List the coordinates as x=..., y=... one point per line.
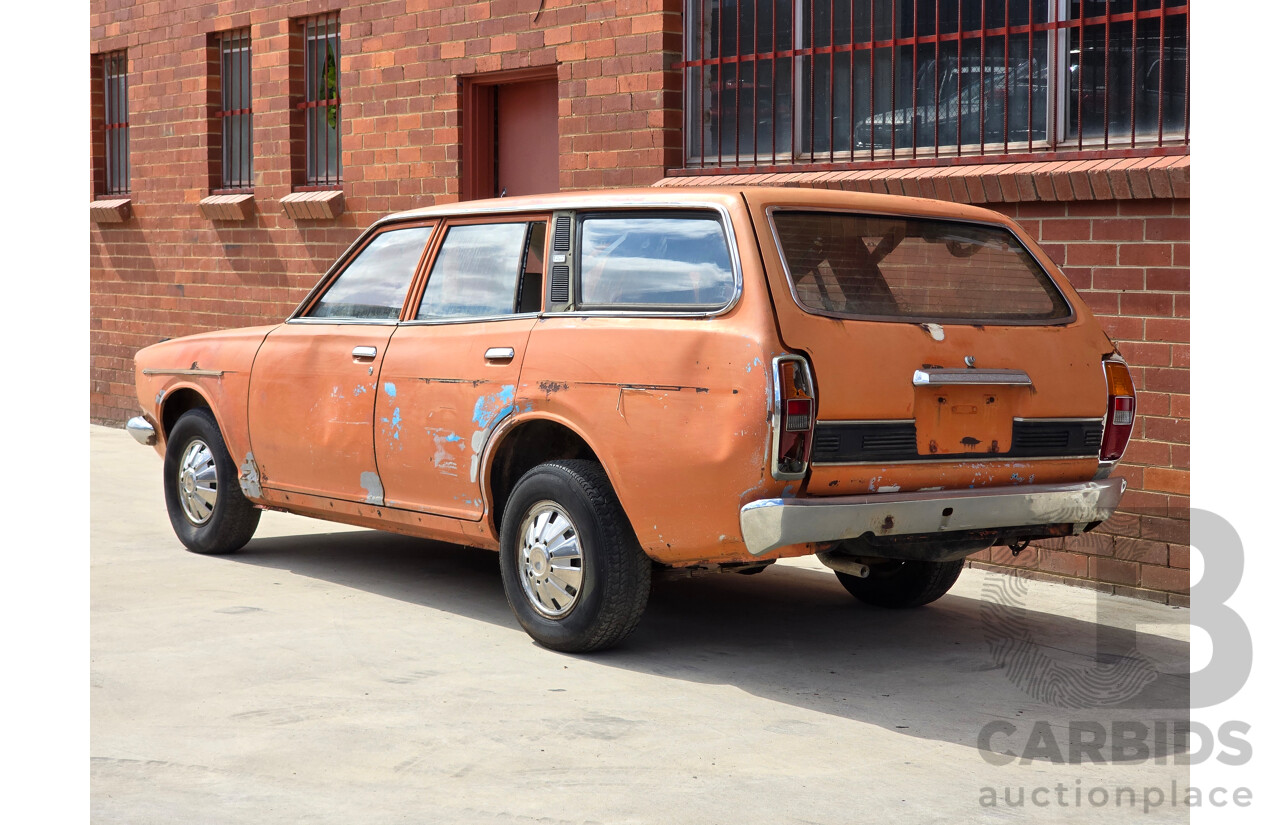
x=887, y=524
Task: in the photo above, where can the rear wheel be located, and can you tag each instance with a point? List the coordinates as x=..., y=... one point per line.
x=903, y=583
x=208, y=511
x=573, y=572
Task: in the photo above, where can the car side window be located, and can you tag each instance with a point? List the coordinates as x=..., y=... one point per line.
x=654, y=261
x=373, y=285
x=485, y=270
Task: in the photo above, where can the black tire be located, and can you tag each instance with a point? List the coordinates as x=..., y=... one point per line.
x=213, y=528
x=577, y=579
x=903, y=584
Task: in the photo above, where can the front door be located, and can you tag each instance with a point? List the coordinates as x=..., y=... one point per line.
x=314, y=380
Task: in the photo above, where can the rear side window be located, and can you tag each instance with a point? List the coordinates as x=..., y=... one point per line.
x=865, y=266
x=655, y=262
x=374, y=284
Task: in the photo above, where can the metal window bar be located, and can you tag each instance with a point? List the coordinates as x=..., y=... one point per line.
x=1063, y=41
x=322, y=61
x=236, y=114
x=115, y=75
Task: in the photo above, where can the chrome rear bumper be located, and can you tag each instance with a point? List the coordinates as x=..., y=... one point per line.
x=141, y=430
x=772, y=523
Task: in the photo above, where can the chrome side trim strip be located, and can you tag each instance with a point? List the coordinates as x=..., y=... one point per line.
x=772, y=523
x=968, y=377
x=192, y=371
x=141, y=430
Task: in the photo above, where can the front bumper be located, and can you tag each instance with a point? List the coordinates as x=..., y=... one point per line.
x=772, y=523
x=141, y=430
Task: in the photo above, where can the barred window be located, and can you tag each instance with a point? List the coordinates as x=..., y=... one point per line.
x=801, y=81
x=322, y=61
x=237, y=110
x=115, y=73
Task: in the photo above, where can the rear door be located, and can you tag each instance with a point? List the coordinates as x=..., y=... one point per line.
x=932, y=339
x=311, y=393
x=451, y=371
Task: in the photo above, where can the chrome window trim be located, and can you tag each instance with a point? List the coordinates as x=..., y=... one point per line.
x=725, y=220
x=769, y=211
x=469, y=319
x=363, y=322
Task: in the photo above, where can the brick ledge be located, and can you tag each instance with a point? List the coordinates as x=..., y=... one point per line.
x=114, y=210
x=227, y=207
x=313, y=206
x=1068, y=180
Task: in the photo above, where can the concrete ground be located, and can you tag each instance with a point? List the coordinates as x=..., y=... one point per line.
x=330, y=674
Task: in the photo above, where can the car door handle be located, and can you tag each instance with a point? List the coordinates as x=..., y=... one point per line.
x=499, y=355
x=364, y=353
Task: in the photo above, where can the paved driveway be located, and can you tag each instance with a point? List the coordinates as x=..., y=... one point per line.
x=329, y=674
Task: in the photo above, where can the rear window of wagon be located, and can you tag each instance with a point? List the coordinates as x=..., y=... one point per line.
x=913, y=269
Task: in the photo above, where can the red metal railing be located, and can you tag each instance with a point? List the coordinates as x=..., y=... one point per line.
x=237, y=109
x=115, y=73
x=322, y=60
x=825, y=83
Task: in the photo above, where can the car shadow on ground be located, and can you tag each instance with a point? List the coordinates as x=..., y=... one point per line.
x=793, y=635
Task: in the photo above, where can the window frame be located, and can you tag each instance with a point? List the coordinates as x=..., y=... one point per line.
x=320, y=27
x=795, y=101
x=115, y=124
x=1049, y=280
x=437, y=242
x=575, y=278
x=233, y=150
x=300, y=314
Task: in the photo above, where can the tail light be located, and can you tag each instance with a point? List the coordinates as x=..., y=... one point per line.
x=1121, y=410
x=793, y=417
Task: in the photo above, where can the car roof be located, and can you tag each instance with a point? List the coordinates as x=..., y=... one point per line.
x=655, y=197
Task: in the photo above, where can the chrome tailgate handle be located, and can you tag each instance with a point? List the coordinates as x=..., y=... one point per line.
x=970, y=377
x=364, y=353
x=495, y=355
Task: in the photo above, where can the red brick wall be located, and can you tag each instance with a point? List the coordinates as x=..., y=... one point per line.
x=169, y=271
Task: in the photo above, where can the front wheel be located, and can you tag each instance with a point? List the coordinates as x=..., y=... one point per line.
x=572, y=570
x=903, y=583
x=206, y=507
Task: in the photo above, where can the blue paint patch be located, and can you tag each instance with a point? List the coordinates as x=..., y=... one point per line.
x=395, y=422
x=390, y=389
x=453, y=437
x=358, y=390
x=490, y=408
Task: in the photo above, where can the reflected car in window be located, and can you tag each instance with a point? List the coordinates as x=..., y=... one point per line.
x=601, y=386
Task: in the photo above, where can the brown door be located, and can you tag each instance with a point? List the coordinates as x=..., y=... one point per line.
x=510, y=134
x=527, y=139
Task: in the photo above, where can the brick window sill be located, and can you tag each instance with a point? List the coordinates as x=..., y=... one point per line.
x=313, y=206
x=227, y=207
x=112, y=210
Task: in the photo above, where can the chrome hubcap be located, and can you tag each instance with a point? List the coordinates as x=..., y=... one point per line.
x=550, y=560
x=197, y=482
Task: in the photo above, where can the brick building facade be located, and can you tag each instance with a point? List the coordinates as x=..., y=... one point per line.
x=350, y=110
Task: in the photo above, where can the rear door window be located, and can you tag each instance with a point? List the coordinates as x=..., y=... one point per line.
x=916, y=269
x=654, y=262
x=486, y=270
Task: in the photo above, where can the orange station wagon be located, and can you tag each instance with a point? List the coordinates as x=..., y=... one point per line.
x=598, y=385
